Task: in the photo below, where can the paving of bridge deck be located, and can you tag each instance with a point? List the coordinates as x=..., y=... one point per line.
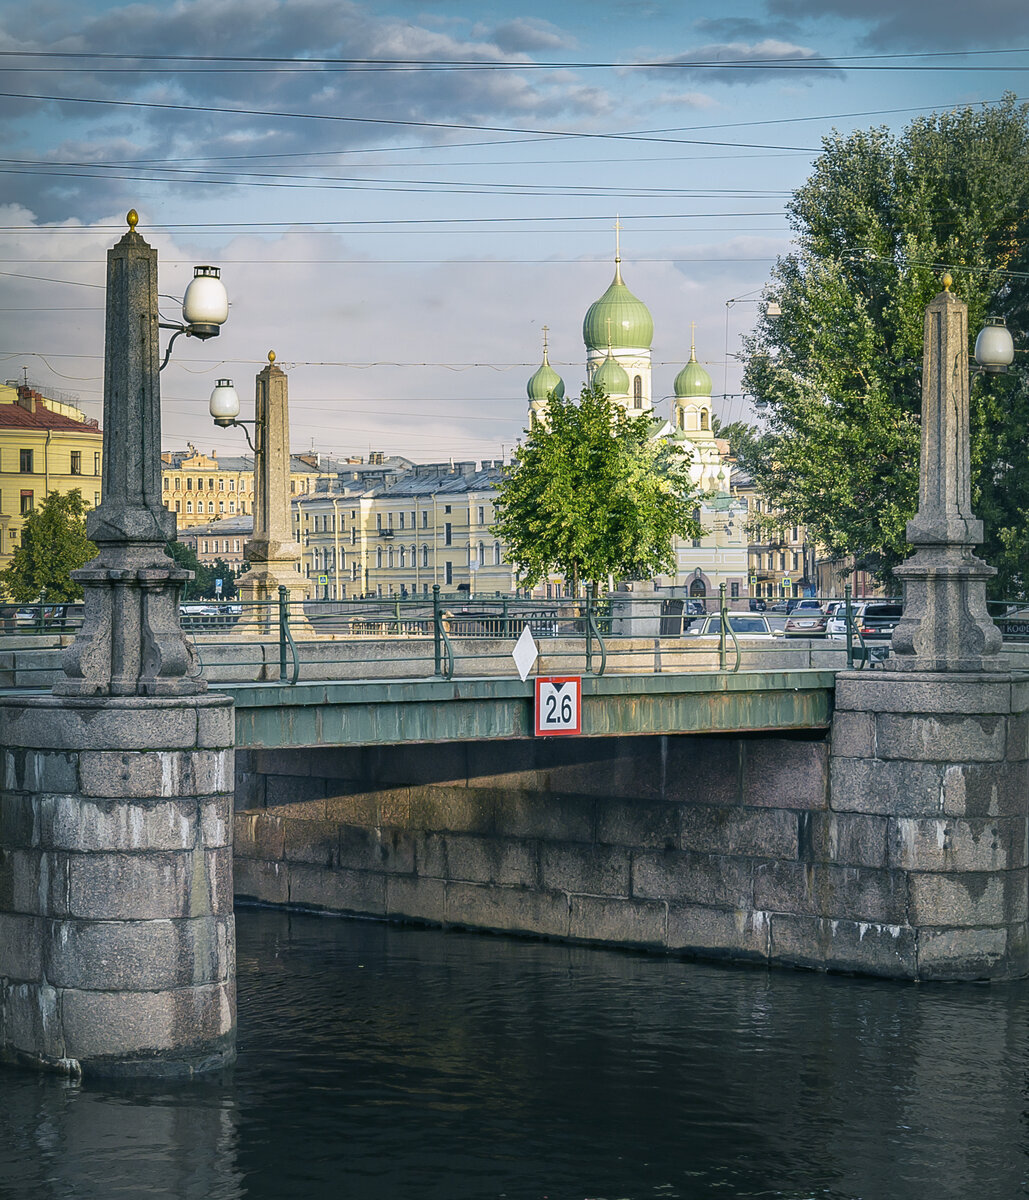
x=395, y=711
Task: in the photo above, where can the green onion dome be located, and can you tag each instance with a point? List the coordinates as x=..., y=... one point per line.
x=545, y=381
x=612, y=377
x=630, y=321
x=692, y=380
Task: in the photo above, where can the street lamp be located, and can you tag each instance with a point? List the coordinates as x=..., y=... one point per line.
x=994, y=349
x=131, y=641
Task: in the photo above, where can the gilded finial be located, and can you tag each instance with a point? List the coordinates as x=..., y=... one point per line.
x=693, y=341
x=271, y=356
x=132, y=217
x=947, y=281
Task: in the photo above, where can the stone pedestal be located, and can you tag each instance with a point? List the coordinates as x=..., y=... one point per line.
x=116, y=922
x=931, y=771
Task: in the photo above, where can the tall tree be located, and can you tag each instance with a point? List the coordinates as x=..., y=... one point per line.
x=592, y=494
x=53, y=544
x=875, y=225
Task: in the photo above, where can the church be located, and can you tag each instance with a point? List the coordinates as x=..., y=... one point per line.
x=618, y=332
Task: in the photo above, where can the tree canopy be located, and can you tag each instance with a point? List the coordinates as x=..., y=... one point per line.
x=53, y=544
x=591, y=494
x=875, y=226
x=202, y=585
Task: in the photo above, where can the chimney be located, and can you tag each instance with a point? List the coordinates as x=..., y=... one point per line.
x=27, y=398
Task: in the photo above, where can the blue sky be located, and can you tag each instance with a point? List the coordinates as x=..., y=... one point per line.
x=401, y=195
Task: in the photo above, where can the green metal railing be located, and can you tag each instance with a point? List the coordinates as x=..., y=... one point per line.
x=442, y=635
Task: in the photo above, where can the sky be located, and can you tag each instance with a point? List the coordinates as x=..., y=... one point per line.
x=401, y=195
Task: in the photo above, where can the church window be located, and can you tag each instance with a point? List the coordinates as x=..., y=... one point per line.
x=704, y=423
x=637, y=392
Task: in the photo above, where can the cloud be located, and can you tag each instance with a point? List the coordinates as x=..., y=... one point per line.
x=283, y=29
x=523, y=36
x=748, y=63
x=921, y=24
x=695, y=100
x=745, y=29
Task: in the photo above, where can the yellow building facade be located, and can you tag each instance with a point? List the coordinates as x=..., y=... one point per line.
x=45, y=446
x=200, y=488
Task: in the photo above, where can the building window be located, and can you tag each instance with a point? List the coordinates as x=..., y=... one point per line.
x=412, y=521
x=206, y=551
x=637, y=392
x=235, y=545
x=482, y=555
x=378, y=556
x=26, y=499
x=390, y=558
x=446, y=508
x=401, y=520
x=482, y=515
x=189, y=483
x=221, y=506
x=200, y=485
x=76, y=462
x=496, y=554
x=189, y=506
x=448, y=571
x=96, y=499
x=210, y=485
x=448, y=534
x=796, y=560
x=167, y=481
x=389, y=520
x=221, y=485
x=353, y=537
x=734, y=591
x=425, y=519
x=782, y=562
x=232, y=485
x=378, y=522
x=243, y=508
x=178, y=506
x=425, y=556
x=96, y=462
x=232, y=506
x=25, y=462
x=403, y=552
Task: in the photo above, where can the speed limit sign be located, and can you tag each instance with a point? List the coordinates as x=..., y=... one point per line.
x=558, y=705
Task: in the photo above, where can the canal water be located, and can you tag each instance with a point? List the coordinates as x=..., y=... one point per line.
x=386, y=1063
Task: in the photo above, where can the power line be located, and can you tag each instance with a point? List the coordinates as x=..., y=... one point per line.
x=400, y=123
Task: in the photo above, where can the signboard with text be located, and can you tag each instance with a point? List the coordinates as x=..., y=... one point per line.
x=558, y=705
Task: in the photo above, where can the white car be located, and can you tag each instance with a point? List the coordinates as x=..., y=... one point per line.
x=837, y=627
x=745, y=625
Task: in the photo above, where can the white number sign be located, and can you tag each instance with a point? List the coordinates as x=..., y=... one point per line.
x=558, y=705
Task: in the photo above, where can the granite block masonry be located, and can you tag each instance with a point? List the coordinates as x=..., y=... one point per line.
x=116, y=921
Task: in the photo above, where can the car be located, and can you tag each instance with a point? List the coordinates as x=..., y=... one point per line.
x=805, y=604
x=837, y=623
x=757, y=604
x=744, y=625
x=806, y=622
x=780, y=606
x=879, y=620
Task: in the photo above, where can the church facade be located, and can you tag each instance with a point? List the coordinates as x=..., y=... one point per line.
x=618, y=333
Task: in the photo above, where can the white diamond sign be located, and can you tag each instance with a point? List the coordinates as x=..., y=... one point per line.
x=525, y=653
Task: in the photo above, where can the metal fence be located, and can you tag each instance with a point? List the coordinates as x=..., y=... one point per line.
x=445, y=636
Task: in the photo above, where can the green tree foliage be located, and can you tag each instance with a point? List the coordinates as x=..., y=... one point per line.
x=201, y=586
x=53, y=544
x=875, y=225
x=591, y=494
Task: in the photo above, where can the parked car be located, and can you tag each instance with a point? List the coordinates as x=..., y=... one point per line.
x=879, y=620
x=757, y=604
x=837, y=623
x=780, y=606
x=806, y=622
x=744, y=625
x=805, y=603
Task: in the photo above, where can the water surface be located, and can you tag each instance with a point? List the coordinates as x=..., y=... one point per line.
x=380, y=1063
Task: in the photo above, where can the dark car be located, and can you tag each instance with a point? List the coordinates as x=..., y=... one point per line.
x=878, y=621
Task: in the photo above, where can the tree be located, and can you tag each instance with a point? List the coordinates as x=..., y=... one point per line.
x=202, y=585
x=592, y=494
x=53, y=544
x=875, y=224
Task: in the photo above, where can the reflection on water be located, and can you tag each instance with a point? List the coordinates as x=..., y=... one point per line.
x=385, y=1063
